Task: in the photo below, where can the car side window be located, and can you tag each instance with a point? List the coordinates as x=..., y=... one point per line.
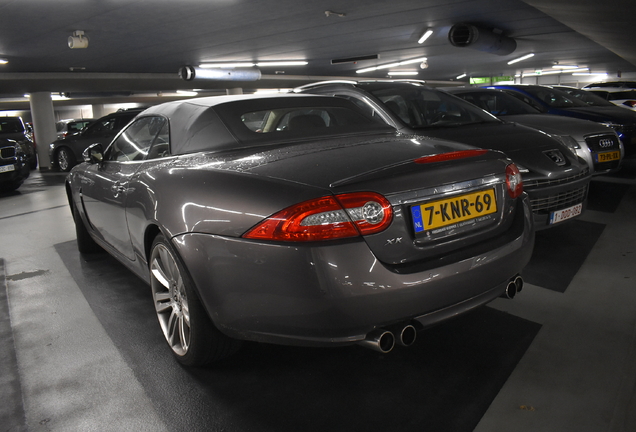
x=161, y=145
x=134, y=142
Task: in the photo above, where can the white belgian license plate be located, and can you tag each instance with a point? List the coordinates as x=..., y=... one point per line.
x=7, y=168
x=561, y=215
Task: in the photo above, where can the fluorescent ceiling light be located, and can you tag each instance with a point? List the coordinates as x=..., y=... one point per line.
x=558, y=66
x=282, y=63
x=187, y=93
x=525, y=57
x=405, y=62
x=3, y=61
x=248, y=65
x=599, y=74
x=403, y=73
x=427, y=34
x=461, y=76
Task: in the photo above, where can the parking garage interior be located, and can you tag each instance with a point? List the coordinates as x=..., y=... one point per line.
x=80, y=347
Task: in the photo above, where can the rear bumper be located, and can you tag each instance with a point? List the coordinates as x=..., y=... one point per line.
x=336, y=293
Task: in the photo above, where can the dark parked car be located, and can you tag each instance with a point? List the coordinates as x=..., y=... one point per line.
x=14, y=165
x=13, y=128
x=555, y=178
x=608, y=96
x=598, y=145
x=553, y=101
x=70, y=126
x=299, y=220
x=66, y=153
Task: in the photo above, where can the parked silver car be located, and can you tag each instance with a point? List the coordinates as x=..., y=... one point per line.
x=299, y=220
x=70, y=126
x=595, y=143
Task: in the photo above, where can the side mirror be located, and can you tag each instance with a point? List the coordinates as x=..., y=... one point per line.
x=93, y=154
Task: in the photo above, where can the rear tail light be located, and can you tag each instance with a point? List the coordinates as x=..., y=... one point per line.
x=513, y=181
x=443, y=157
x=327, y=218
x=630, y=103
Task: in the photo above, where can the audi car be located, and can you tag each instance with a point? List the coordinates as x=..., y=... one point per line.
x=555, y=101
x=555, y=178
x=597, y=144
x=299, y=220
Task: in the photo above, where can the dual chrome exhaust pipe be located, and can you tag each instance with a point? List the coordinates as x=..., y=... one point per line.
x=514, y=286
x=384, y=340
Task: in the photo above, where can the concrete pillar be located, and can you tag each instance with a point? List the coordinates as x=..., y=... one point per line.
x=43, y=125
x=234, y=91
x=98, y=111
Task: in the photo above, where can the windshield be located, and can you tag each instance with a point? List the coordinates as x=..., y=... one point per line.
x=588, y=98
x=421, y=107
x=11, y=125
x=555, y=98
x=497, y=103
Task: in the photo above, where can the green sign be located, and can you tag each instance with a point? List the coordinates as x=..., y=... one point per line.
x=490, y=80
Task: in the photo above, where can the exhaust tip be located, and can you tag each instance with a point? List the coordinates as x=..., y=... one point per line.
x=518, y=281
x=511, y=290
x=407, y=336
x=379, y=340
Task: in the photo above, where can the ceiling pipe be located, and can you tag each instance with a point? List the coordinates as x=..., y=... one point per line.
x=470, y=36
x=189, y=73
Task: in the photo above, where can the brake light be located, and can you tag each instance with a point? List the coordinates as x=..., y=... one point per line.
x=327, y=218
x=513, y=181
x=443, y=157
x=630, y=103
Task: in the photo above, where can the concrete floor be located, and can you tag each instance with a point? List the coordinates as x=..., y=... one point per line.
x=79, y=350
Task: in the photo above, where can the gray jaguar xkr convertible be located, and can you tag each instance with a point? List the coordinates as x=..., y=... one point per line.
x=299, y=220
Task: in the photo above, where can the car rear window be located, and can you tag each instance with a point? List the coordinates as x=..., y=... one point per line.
x=309, y=120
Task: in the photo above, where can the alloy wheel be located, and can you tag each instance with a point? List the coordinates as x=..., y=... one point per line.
x=170, y=298
x=63, y=159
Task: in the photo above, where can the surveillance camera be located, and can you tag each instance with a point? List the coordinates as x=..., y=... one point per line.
x=78, y=40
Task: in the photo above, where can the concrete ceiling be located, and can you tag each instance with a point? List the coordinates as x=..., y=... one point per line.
x=137, y=47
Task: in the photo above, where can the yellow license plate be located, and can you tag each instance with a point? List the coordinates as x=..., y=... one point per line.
x=608, y=156
x=449, y=211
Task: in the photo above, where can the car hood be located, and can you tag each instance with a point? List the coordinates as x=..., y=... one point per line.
x=559, y=125
x=525, y=146
x=16, y=136
x=612, y=114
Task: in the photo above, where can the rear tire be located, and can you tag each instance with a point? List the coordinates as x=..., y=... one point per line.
x=185, y=325
x=85, y=243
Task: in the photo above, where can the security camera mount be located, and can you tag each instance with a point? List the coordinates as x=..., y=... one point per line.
x=78, y=40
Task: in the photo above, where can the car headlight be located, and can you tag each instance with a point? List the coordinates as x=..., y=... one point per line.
x=569, y=142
